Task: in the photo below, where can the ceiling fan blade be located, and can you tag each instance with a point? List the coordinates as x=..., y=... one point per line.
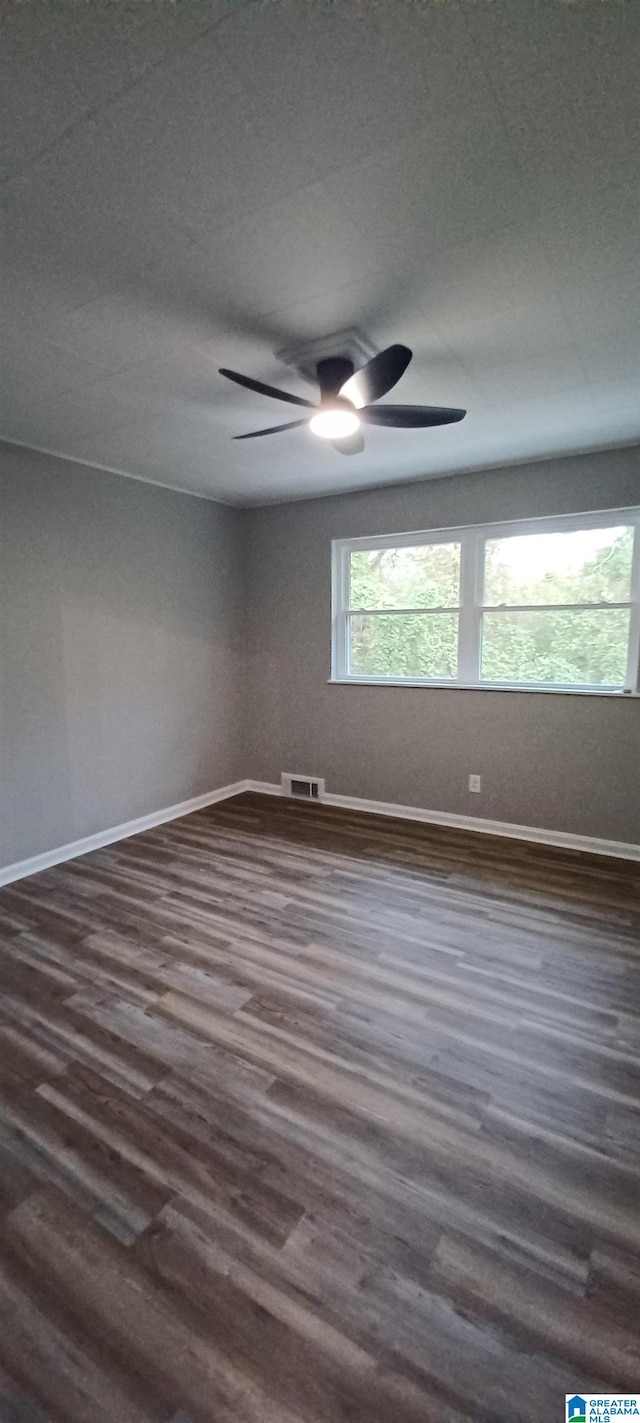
x=351, y=445
x=379, y=375
x=262, y=389
x=410, y=417
x=272, y=430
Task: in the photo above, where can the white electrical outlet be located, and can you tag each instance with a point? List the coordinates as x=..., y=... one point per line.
x=475, y=783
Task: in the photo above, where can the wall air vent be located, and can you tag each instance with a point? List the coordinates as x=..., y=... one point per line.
x=301, y=787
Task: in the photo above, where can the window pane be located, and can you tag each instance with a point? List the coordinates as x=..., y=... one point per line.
x=571, y=648
x=397, y=645
x=420, y=577
x=591, y=566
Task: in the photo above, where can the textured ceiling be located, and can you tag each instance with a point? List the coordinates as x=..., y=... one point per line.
x=193, y=184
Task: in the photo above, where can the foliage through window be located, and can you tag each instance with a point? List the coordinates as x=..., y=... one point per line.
x=555, y=603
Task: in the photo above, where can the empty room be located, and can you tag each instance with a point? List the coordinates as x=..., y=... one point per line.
x=320, y=711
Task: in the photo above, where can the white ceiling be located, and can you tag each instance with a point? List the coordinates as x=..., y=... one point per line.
x=192, y=184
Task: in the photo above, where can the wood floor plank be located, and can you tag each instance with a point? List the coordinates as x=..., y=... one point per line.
x=314, y=1117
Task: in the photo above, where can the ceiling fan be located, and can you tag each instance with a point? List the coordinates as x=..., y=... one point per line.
x=347, y=398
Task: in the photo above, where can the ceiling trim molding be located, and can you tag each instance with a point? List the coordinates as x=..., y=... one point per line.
x=374, y=487
x=124, y=473
x=489, y=468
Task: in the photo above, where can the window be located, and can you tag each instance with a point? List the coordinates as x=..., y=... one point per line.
x=551, y=603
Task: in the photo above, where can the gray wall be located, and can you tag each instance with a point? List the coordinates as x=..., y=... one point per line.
x=549, y=760
x=154, y=646
x=119, y=658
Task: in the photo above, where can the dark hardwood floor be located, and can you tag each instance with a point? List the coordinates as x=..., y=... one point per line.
x=307, y=1115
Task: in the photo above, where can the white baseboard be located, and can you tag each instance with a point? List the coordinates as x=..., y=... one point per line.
x=561, y=839
x=33, y=866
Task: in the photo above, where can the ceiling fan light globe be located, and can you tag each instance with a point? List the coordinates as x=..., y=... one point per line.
x=335, y=422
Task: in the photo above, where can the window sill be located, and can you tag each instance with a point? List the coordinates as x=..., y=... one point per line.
x=615, y=692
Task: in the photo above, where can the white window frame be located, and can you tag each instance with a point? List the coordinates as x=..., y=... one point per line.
x=472, y=539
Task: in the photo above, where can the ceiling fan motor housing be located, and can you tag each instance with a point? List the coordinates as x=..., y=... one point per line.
x=332, y=373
